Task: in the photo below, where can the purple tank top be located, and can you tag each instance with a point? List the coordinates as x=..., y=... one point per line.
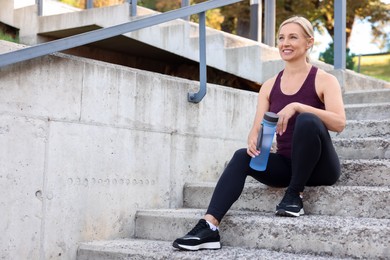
x=306, y=95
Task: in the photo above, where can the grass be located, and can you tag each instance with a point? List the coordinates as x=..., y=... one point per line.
x=7, y=37
x=377, y=66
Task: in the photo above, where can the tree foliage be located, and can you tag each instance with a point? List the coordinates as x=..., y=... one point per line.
x=321, y=13
x=328, y=57
x=96, y=3
x=235, y=18
x=214, y=18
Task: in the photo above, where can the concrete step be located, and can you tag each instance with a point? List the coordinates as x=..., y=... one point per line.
x=365, y=128
x=361, y=173
x=325, y=235
x=362, y=148
x=323, y=200
x=140, y=249
x=177, y=37
x=378, y=111
x=371, y=173
x=365, y=173
x=367, y=96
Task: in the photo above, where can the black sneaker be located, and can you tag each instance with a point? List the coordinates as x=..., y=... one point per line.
x=290, y=206
x=200, y=237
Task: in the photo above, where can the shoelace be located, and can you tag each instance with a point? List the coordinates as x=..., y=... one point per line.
x=201, y=225
x=289, y=198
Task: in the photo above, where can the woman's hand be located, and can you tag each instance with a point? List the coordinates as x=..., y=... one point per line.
x=252, y=143
x=284, y=115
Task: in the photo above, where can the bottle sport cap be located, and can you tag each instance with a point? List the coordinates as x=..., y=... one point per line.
x=271, y=117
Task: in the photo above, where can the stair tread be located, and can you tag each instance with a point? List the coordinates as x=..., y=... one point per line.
x=155, y=249
x=380, y=161
x=360, y=139
x=367, y=120
x=258, y=185
x=345, y=236
x=365, y=172
x=250, y=185
x=362, y=147
x=372, y=201
x=368, y=104
x=351, y=92
x=252, y=216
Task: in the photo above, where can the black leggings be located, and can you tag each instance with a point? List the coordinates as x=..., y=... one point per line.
x=313, y=162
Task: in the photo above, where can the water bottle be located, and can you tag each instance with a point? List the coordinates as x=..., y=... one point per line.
x=264, y=141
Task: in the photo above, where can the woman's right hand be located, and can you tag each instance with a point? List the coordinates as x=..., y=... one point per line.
x=262, y=107
x=252, y=143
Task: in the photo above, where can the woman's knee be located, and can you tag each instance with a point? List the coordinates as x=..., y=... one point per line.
x=308, y=121
x=241, y=153
x=240, y=160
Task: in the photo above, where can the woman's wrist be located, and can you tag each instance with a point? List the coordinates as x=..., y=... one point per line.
x=298, y=107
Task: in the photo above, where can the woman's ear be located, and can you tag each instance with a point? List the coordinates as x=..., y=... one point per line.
x=310, y=42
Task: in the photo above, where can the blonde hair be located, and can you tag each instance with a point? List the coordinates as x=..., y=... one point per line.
x=306, y=26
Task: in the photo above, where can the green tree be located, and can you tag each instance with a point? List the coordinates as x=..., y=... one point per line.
x=321, y=13
x=163, y=6
x=151, y=4
x=96, y=3
x=235, y=18
x=327, y=56
x=214, y=18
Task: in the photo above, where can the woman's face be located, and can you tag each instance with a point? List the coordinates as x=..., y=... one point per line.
x=292, y=42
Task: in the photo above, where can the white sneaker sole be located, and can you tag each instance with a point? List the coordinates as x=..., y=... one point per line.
x=210, y=245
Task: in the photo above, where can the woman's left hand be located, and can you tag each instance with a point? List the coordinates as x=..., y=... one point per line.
x=284, y=115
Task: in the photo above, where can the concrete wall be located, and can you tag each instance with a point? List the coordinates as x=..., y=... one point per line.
x=225, y=52
x=232, y=54
x=84, y=144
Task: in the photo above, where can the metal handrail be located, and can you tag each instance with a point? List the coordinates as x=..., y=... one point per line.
x=109, y=32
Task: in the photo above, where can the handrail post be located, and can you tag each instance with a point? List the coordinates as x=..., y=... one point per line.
x=340, y=20
x=185, y=3
x=89, y=4
x=197, y=97
x=39, y=6
x=133, y=7
x=256, y=20
x=269, y=22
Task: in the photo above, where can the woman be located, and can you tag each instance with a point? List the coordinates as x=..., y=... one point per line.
x=308, y=102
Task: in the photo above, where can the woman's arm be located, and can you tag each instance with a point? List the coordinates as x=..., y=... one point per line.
x=329, y=91
x=262, y=107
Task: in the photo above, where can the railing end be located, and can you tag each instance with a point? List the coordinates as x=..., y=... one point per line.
x=195, y=97
x=198, y=96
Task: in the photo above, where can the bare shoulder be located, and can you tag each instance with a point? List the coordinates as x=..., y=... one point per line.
x=324, y=78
